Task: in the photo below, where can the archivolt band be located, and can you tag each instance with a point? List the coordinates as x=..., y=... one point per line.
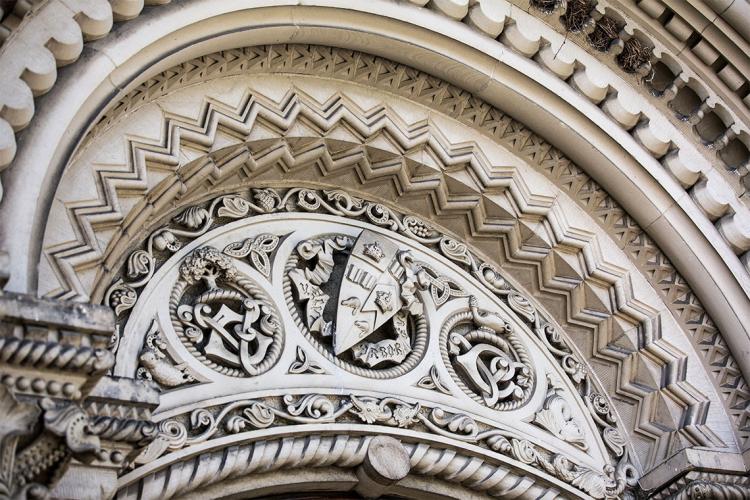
x=439, y=249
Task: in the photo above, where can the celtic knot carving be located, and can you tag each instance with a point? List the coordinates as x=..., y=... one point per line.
x=222, y=317
x=487, y=359
x=257, y=249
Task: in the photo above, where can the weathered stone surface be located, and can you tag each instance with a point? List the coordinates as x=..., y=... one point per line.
x=437, y=248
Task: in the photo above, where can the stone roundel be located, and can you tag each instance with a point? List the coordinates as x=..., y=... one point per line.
x=224, y=318
x=486, y=358
x=412, y=328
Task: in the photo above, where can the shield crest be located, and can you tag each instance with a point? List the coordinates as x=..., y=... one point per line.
x=370, y=290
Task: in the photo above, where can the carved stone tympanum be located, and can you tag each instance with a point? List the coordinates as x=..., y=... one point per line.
x=224, y=319
x=428, y=337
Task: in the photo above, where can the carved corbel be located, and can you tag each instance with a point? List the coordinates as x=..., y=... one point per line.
x=18, y=421
x=62, y=432
x=58, y=409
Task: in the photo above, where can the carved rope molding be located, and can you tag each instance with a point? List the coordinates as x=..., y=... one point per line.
x=142, y=263
x=511, y=134
x=243, y=419
x=56, y=397
x=656, y=132
x=318, y=450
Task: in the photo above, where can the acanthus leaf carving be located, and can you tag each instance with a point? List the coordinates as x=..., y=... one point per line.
x=387, y=410
x=249, y=415
x=216, y=284
x=556, y=416
x=193, y=217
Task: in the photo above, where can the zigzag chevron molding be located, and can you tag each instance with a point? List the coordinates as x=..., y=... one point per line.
x=375, y=147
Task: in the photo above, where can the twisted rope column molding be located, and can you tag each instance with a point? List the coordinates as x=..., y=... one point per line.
x=427, y=460
x=191, y=338
x=638, y=348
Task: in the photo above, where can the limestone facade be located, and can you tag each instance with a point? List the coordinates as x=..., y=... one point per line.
x=430, y=249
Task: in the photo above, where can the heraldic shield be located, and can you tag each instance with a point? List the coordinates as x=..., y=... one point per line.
x=370, y=292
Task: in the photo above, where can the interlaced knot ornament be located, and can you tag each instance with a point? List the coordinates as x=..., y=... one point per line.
x=486, y=358
x=223, y=318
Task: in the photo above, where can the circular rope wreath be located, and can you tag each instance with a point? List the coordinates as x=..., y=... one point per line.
x=412, y=360
x=518, y=349
x=253, y=291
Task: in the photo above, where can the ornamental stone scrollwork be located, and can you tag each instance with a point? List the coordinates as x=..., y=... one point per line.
x=557, y=417
x=365, y=287
x=202, y=424
x=223, y=318
x=487, y=359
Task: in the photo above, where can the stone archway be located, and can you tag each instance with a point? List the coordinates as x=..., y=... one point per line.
x=623, y=352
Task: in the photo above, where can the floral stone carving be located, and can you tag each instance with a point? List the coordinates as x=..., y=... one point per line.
x=361, y=284
x=557, y=417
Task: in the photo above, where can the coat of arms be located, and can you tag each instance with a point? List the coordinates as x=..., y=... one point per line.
x=373, y=300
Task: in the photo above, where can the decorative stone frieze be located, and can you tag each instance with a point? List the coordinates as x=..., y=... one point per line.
x=493, y=272
x=298, y=298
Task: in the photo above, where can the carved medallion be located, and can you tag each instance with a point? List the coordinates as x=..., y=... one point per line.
x=358, y=298
x=223, y=317
x=487, y=359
